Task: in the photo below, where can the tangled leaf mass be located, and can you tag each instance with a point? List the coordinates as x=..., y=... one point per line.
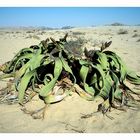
x=46, y=68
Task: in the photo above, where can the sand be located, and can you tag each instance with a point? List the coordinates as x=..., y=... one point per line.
x=65, y=116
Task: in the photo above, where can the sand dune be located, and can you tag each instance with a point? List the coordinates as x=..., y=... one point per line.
x=65, y=116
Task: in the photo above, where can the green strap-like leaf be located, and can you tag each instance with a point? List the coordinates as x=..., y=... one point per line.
x=83, y=74
x=105, y=91
x=103, y=60
x=22, y=52
x=24, y=84
x=36, y=60
x=21, y=58
x=82, y=93
x=122, y=67
x=45, y=91
x=22, y=71
x=32, y=64
x=115, y=87
x=55, y=98
x=3, y=76
x=133, y=77
x=67, y=68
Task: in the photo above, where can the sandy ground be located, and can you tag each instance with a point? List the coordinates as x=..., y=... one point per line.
x=66, y=116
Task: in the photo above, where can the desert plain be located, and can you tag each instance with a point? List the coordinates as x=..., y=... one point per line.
x=65, y=116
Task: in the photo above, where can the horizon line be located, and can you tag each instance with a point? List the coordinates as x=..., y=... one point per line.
x=69, y=26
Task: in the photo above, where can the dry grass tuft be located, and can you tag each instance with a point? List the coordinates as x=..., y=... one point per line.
x=122, y=32
x=33, y=37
